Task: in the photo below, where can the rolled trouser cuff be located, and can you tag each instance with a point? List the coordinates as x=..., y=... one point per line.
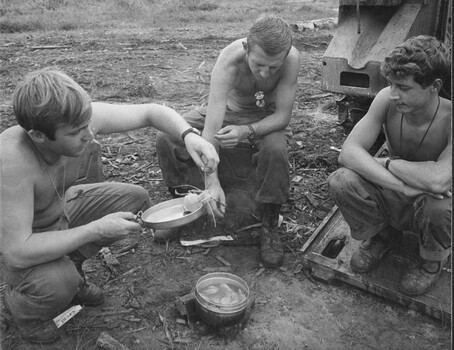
x=430, y=255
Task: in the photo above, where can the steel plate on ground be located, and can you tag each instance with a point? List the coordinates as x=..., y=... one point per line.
x=170, y=214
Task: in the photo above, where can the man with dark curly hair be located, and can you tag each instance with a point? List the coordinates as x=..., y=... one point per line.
x=409, y=190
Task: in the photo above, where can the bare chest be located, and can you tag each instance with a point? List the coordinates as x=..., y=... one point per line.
x=248, y=85
x=415, y=142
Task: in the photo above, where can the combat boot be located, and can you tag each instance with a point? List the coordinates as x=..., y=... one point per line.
x=88, y=294
x=420, y=279
x=369, y=254
x=271, y=248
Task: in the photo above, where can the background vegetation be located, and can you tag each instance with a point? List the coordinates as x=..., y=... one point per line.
x=65, y=15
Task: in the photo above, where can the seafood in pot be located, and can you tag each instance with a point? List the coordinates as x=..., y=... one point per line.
x=223, y=294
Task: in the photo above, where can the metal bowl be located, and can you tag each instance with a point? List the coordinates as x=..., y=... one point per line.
x=216, y=314
x=169, y=214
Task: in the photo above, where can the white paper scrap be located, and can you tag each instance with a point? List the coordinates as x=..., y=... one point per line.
x=65, y=316
x=201, y=241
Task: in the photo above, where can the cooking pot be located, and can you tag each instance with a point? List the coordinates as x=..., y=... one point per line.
x=216, y=307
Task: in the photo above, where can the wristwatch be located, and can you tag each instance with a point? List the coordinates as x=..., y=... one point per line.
x=194, y=130
x=251, y=133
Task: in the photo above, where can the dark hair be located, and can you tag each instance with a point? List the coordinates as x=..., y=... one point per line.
x=424, y=57
x=48, y=98
x=272, y=34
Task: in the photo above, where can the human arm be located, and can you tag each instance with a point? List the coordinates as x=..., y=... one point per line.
x=355, y=155
x=110, y=118
x=434, y=177
x=223, y=77
x=230, y=135
x=26, y=199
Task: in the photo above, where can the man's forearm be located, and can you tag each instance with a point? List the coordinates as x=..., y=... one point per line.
x=47, y=246
x=427, y=176
x=371, y=169
x=271, y=123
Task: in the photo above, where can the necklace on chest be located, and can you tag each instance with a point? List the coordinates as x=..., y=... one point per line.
x=412, y=154
x=61, y=196
x=259, y=95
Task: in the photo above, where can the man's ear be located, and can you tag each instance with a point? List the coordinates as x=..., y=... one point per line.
x=245, y=45
x=437, y=85
x=37, y=136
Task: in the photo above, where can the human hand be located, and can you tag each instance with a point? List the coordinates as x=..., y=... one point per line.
x=443, y=195
x=230, y=135
x=115, y=226
x=411, y=192
x=202, y=152
x=217, y=197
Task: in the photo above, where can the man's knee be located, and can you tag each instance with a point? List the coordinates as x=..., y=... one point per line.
x=140, y=196
x=53, y=286
x=64, y=281
x=170, y=151
x=128, y=197
x=274, y=147
x=433, y=212
x=340, y=180
x=162, y=141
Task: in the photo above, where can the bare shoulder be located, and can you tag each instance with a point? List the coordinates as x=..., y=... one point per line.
x=17, y=157
x=294, y=54
x=446, y=116
x=233, y=54
x=292, y=63
x=446, y=108
x=379, y=108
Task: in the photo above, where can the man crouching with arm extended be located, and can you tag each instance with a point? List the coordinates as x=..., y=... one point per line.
x=411, y=189
x=48, y=226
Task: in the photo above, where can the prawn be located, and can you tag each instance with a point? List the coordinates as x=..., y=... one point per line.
x=196, y=198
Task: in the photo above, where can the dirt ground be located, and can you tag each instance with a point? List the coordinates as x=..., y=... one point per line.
x=292, y=310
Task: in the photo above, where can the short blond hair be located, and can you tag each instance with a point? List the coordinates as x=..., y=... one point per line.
x=272, y=34
x=48, y=98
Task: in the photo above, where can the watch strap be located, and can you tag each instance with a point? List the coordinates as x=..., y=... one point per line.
x=251, y=134
x=186, y=132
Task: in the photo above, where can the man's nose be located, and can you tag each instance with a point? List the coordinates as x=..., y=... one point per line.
x=88, y=136
x=394, y=93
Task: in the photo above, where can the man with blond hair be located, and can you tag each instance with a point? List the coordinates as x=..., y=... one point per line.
x=48, y=225
x=252, y=91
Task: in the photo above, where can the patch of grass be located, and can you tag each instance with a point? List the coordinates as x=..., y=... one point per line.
x=50, y=15
x=13, y=26
x=315, y=11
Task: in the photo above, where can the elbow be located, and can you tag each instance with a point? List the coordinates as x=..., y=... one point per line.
x=14, y=260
